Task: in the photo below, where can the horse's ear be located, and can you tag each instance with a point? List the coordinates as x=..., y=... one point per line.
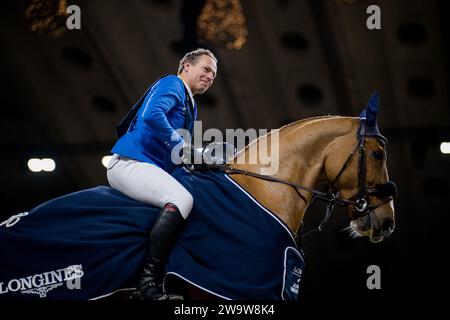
x=372, y=109
x=370, y=116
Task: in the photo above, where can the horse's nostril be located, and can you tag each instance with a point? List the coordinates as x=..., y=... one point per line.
x=387, y=225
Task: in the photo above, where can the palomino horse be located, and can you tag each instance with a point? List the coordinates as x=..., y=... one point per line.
x=326, y=149
x=348, y=154
x=89, y=229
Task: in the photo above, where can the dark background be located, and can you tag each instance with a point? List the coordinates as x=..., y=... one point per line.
x=61, y=97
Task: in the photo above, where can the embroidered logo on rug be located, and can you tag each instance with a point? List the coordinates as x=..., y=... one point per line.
x=42, y=283
x=13, y=220
x=294, y=265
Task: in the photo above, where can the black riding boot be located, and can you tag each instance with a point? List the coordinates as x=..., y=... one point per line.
x=162, y=238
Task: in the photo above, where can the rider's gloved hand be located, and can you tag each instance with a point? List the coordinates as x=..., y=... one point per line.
x=191, y=155
x=218, y=153
x=192, y=158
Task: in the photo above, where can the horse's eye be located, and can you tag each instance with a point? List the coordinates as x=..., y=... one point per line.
x=379, y=155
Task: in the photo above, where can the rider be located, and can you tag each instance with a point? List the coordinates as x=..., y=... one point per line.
x=141, y=164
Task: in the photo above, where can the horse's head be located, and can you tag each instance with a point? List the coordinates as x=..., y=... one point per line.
x=356, y=167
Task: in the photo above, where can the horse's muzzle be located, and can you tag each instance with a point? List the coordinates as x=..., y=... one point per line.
x=384, y=190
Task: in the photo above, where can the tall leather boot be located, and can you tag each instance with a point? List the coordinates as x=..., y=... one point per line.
x=163, y=235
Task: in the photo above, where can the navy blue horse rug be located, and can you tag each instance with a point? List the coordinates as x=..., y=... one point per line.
x=91, y=243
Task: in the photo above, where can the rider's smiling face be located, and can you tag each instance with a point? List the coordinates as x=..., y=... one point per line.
x=200, y=76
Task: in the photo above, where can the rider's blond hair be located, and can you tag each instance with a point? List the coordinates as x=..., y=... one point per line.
x=192, y=58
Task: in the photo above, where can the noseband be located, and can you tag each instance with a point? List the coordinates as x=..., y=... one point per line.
x=360, y=201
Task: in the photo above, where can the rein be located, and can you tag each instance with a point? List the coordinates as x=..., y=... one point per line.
x=360, y=200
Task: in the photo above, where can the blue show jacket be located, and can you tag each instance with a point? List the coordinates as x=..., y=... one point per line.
x=151, y=135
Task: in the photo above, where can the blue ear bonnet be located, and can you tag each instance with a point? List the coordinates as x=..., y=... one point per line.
x=368, y=116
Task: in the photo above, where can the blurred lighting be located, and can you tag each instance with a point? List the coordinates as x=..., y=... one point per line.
x=48, y=164
x=34, y=165
x=223, y=21
x=445, y=147
x=105, y=161
x=47, y=16
x=37, y=165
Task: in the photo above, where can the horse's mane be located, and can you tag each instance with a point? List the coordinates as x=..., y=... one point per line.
x=305, y=121
x=298, y=123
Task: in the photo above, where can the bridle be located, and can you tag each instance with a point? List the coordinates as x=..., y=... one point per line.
x=360, y=201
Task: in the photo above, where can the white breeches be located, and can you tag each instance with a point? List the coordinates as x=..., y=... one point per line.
x=148, y=183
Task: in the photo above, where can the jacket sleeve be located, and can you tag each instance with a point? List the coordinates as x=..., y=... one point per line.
x=168, y=93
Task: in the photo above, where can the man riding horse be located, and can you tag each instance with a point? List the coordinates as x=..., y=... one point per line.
x=141, y=165
x=239, y=241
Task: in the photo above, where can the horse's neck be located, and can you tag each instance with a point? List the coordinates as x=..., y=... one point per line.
x=302, y=150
